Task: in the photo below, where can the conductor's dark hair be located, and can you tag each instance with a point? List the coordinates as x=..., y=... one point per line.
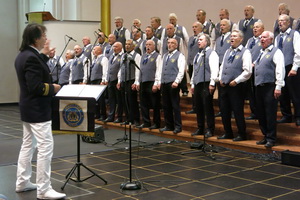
x=31, y=33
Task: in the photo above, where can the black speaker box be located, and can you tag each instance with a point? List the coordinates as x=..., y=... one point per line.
x=290, y=158
x=98, y=137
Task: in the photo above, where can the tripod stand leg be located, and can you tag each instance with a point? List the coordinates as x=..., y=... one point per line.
x=94, y=174
x=69, y=175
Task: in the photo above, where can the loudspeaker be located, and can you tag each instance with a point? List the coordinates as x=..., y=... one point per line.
x=98, y=137
x=290, y=158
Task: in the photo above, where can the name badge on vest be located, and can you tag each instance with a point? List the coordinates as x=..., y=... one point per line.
x=267, y=56
x=172, y=60
x=237, y=56
x=151, y=59
x=288, y=39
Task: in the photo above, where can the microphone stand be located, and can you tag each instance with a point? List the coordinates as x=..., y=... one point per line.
x=129, y=185
x=56, y=65
x=204, y=146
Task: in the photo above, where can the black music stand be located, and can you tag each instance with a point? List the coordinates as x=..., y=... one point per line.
x=73, y=113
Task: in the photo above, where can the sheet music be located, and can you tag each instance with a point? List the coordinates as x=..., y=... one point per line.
x=94, y=91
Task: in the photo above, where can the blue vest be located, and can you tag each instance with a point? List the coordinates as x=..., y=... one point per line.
x=87, y=51
x=77, y=68
x=148, y=67
x=234, y=69
x=255, y=50
x=113, y=67
x=264, y=71
x=108, y=51
x=158, y=33
x=193, y=49
x=65, y=73
x=130, y=70
x=206, y=28
x=199, y=69
x=170, y=69
x=218, y=32
x=55, y=71
x=97, y=69
x=288, y=47
x=120, y=36
x=220, y=50
x=248, y=30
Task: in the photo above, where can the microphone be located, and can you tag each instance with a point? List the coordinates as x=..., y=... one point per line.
x=212, y=23
x=71, y=38
x=103, y=32
x=138, y=28
x=98, y=34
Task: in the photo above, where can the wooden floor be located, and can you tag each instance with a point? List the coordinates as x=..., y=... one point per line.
x=288, y=135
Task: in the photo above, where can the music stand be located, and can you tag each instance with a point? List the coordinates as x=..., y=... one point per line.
x=73, y=113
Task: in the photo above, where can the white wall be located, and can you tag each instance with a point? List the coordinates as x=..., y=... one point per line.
x=9, y=48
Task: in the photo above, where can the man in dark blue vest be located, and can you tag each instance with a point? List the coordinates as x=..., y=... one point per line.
x=193, y=49
x=80, y=67
x=159, y=31
x=269, y=74
x=122, y=34
x=150, y=36
x=221, y=45
x=246, y=24
x=289, y=42
x=114, y=95
x=64, y=78
x=98, y=76
x=87, y=47
x=147, y=85
x=109, y=50
x=207, y=25
x=254, y=46
x=206, y=70
x=283, y=9
x=101, y=41
x=55, y=65
x=128, y=77
x=173, y=67
x=236, y=68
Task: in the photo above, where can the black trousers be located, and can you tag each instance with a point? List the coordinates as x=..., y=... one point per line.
x=171, y=106
x=190, y=71
x=267, y=110
x=100, y=105
x=129, y=101
x=204, y=106
x=290, y=93
x=114, y=99
x=150, y=100
x=232, y=99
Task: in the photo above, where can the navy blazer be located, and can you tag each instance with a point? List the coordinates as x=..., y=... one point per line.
x=36, y=89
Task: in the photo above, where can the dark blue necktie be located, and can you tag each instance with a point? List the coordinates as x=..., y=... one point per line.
x=245, y=25
x=232, y=56
x=222, y=40
x=197, y=56
x=280, y=42
x=193, y=42
x=145, y=60
x=107, y=51
x=259, y=57
x=168, y=57
x=252, y=44
x=112, y=59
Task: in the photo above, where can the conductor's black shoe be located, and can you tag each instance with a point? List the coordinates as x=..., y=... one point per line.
x=269, y=144
x=285, y=120
x=108, y=120
x=197, y=132
x=165, y=129
x=154, y=127
x=118, y=121
x=190, y=112
x=225, y=136
x=238, y=138
x=263, y=141
x=177, y=130
x=144, y=126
